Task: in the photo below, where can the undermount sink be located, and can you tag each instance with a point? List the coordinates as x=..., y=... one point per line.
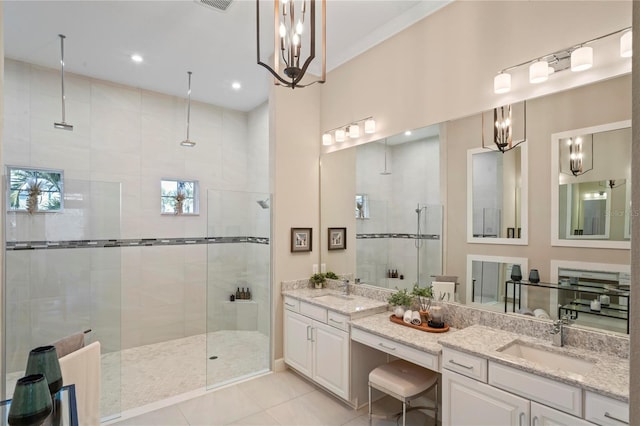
x=332, y=298
x=547, y=357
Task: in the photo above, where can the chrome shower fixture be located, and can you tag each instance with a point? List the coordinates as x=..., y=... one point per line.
x=187, y=142
x=62, y=124
x=385, y=171
x=264, y=203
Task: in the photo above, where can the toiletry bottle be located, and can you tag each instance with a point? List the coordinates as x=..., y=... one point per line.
x=232, y=298
x=238, y=293
x=242, y=294
x=248, y=294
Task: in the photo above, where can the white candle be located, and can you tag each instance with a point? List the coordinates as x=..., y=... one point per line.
x=436, y=314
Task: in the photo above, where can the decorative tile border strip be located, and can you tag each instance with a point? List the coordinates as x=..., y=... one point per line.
x=395, y=235
x=132, y=242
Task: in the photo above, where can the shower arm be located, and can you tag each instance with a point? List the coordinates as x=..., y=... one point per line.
x=62, y=37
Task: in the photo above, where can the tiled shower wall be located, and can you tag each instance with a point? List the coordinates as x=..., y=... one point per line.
x=393, y=199
x=131, y=136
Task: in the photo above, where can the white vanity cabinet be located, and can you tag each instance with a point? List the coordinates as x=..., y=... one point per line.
x=478, y=392
x=316, y=344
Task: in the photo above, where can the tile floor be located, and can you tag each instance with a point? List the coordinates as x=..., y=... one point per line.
x=282, y=398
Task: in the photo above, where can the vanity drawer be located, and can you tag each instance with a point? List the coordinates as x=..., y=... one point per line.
x=313, y=311
x=338, y=320
x=554, y=394
x=603, y=410
x=291, y=304
x=465, y=364
x=396, y=349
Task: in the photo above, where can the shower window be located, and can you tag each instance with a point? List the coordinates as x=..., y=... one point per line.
x=362, y=206
x=33, y=190
x=172, y=191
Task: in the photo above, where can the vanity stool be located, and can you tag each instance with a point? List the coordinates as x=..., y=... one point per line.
x=404, y=381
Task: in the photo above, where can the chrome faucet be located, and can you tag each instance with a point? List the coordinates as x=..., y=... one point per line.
x=345, y=287
x=557, y=332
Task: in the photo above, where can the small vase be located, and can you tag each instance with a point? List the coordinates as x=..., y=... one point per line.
x=44, y=360
x=534, y=276
x=399, y=311
x=424, y=316
x=516, y=273
x=317, y=285
x=31, y=403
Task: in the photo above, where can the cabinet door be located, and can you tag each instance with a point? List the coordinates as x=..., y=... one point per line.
x=467, y=402
x=541, y=415
x=331, y=358
x=297, y=342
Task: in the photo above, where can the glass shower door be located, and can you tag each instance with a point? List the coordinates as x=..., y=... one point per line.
x=238, y=285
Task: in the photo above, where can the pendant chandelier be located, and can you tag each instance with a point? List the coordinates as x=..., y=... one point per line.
x=295, y=33
x=503, y=128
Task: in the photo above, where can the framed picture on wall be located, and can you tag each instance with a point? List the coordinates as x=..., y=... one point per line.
x=301, y=239
x=337, y=238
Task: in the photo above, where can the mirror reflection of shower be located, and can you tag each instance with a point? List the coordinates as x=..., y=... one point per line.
x=418, y=241
x=263, y=203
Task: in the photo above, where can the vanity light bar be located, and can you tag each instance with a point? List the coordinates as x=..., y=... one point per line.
x=349, y=131
x=581, y=57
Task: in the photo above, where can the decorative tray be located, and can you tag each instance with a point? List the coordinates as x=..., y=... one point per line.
x=424, y=326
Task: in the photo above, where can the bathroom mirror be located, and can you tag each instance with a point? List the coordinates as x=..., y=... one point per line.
x=393, y=186
x=583, y=282
x=497, y=196
x=591, y=186
x=485, y=287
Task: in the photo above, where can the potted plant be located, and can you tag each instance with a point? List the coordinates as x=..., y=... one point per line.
x=331, y=275
x=424, y=296
x=317, y=280
x=402, y=300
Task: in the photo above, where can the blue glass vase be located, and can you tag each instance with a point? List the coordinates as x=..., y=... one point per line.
x=44, y=360
x=31, y=403
x=516, y=273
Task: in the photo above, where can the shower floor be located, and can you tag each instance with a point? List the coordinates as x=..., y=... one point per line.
x=138, y=376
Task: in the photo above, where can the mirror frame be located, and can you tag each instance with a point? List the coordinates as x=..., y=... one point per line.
x=555, y=181
x=524, y=200
x=522, y=261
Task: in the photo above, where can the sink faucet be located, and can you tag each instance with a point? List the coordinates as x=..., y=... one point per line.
x=557, y=332
x=345, y=287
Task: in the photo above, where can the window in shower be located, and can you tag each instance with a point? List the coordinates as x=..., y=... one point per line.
x=32, y=190
x=362, y=206
x=179, y=197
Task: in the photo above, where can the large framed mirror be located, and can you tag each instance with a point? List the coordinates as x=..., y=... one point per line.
x=497, y=188
x=591, y=186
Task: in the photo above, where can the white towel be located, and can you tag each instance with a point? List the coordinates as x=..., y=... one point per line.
x=443, y=291
x=407, y=316
x=82, y=368
x=541, y=313
x=415, y=318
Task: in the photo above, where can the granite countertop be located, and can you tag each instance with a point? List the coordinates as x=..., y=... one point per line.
x=380, y=325
x=609, y=376
x=355, y=306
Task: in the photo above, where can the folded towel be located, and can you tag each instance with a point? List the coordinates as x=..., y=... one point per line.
x=82, y=368
x=526, y=311
x=415, y=318
x=541, y=313
x=69, y=344
x=407, y=316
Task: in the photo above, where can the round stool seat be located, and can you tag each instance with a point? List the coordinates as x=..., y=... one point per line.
x=403, y=378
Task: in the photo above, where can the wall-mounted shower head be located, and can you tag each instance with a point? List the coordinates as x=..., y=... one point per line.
x=62, y=124
x=264, y=203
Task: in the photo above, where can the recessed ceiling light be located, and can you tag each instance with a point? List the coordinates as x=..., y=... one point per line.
x=236, y=85
x=407, y=133
x=136, y=58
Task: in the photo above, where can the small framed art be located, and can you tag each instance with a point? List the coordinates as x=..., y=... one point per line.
x=337, y=238
x=301, y=239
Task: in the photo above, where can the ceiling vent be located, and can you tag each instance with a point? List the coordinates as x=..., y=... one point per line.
x=215, y=4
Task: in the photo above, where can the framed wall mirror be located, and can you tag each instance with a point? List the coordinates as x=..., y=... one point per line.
x=497, y=188
x=486, y=282
x=591, y=186
x=582, y=283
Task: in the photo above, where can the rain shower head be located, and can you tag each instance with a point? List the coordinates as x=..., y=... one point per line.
x=264, y=203
x=62, y=124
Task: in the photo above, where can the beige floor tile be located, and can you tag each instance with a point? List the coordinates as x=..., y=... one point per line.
x=169, y=416
x=219, y=407
x=329, y=409
x=260, y=419
x=274, y=389
x=294, y=413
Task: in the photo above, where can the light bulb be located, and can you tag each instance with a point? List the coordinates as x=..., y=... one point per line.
x=283, y=30
x=370, y=126
x=626, y=45
x=299, y=27
x=295, y=40
x=354, y=131
x=538, y=72
x=340, y=135
x=502, y=83
x=582, y=59
x=326, y=139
